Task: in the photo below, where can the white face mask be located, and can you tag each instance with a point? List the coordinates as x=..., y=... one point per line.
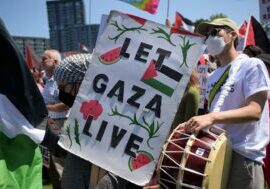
x=215, y=45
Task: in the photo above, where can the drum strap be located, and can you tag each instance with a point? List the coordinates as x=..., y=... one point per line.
x=218, y=85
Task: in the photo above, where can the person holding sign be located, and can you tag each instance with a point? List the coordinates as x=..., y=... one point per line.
x=190, y=102
x=69, y=75
x=238, y=91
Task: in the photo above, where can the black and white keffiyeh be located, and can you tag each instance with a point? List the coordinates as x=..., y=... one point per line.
x=72, y=68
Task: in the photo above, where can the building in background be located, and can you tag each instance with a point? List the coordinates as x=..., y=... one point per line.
x=63, y=15
x=264, y=6
x=38, y=44
x=67, y=25
x=86, y=35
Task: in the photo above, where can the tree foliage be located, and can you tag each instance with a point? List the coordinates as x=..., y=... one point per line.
x=218, y=15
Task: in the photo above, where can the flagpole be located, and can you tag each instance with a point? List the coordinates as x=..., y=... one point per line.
x=168, y=8
x=89, y=11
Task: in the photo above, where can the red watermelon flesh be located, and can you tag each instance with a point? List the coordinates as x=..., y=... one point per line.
x=141, y=159
x=110, y=57
x=150, y=72
x=137, y=19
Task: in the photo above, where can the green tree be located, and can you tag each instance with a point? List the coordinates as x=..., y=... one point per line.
x=266, y=27
x=218, y=15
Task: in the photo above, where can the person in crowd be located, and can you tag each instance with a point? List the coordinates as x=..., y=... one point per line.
x=190, y=102
x=57, y=111
x=255, y=51
x=238, y=92
x=266, y=168
x=22, y=109
x=69, y=74
x=252, y=50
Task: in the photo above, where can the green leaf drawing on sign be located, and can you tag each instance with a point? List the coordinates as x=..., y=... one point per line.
x=185, y=48
x=151, y=128
x=163, y=35
x=76, y=132
x=123, y=29
x=69, y=135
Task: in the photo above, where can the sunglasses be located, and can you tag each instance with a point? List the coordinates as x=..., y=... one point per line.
x=215, y=31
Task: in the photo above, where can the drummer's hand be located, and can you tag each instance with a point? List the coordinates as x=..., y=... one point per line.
x=196, y=123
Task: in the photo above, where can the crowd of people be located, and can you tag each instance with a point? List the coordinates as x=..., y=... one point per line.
x=238, y=92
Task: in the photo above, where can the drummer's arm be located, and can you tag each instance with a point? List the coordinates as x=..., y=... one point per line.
x=250, y=112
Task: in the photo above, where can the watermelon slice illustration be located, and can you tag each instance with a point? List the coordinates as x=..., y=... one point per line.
x=110, y=57
x=137, y=19
x=142, y=158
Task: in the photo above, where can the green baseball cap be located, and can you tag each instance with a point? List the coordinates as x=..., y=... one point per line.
x=204, y=27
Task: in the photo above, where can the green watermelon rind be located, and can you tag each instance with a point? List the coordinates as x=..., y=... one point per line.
x=139, y=151
x=108, y=63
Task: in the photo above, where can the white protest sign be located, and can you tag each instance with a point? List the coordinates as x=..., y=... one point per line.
x=128, y=99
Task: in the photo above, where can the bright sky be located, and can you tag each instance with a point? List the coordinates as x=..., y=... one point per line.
x=29, y=17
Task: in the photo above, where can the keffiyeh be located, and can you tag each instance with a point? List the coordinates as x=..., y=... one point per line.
x=72, y=68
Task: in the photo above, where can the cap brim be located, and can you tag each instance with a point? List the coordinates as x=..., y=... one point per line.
x=204, y=27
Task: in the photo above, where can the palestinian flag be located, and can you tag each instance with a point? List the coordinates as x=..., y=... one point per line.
x=164, y=80
x=252, y=33
x=183, y=23
x=32, y=59
x=21, y=110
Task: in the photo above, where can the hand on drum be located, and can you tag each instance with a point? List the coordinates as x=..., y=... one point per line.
x=196, y=123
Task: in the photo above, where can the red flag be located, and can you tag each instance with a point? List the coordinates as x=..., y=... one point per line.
x=249, y=37
x=178, y=23
x=83, y=48
x=243, y=29
x=252, y=33
x=183, y=23
x=242, y=34
x=31, y=58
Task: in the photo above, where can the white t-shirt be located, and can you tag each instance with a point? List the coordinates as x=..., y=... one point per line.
x=247, y=76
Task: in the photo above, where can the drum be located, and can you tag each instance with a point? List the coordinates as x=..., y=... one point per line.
x=195, y=161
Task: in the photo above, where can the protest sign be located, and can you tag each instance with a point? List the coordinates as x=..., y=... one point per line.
x=128, y=99
x=203, y=71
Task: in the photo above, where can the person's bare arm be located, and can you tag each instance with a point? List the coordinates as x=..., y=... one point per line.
x=250, y=112
x=58, y=107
